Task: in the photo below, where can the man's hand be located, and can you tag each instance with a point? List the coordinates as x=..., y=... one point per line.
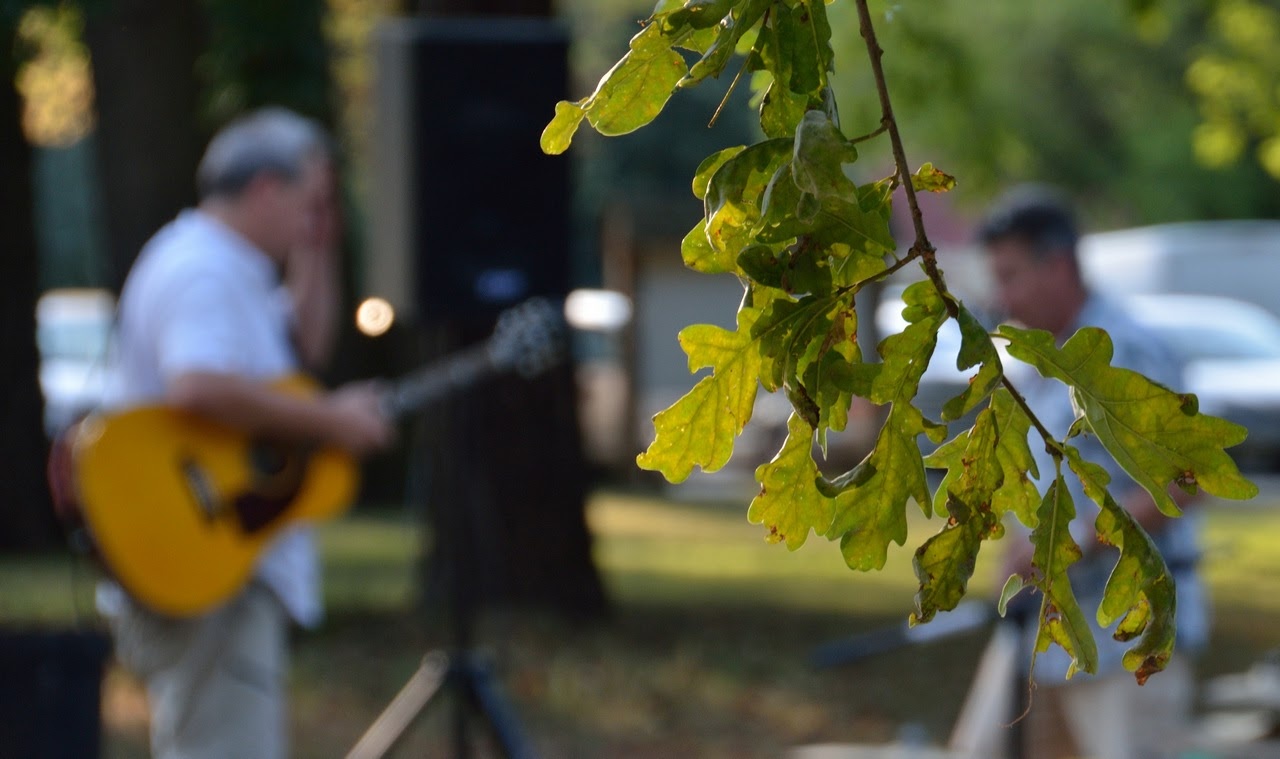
x=358, y=422
x=312, y=274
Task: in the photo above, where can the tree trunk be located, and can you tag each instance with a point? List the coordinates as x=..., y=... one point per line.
x=143, y=55
x=26, y=518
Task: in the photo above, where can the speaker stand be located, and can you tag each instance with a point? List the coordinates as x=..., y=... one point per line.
x=459, y=668
x=471, y=678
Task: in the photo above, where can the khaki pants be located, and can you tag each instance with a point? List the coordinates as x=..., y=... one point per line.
x=215, y=683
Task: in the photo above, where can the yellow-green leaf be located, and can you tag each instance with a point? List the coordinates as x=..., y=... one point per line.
x=635, y=90
x=1157, y=436
x=975, y=348
x=1017, y=492
x=700, y=428
x=697, y=253
x=929, y=179
x=1061, y=620
x=559, y=133
x=945, y=562
x=789, y=504
x=1140, y=592
x=871, y=513
x=906, y=355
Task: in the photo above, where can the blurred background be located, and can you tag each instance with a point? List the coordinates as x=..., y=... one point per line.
x=627, y=617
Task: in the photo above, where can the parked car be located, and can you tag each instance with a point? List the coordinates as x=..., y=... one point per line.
x=1231, y=354
x=73, y=329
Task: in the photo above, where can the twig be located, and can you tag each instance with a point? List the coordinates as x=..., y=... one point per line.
x=890, y=124
x=922, y=248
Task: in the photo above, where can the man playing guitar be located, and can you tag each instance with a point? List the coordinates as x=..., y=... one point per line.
x=205, y=322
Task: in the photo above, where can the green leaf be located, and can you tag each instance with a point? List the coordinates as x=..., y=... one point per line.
x=789, y=504
x=862, y=226
x=906, y=354
x=826, y=368
x=1140, y=592
x=699, y=429
x=744, y=16
x=945, y=562
x=782, y=218
x=872, y=513
x=975, y=348
x=763, y=264
x=735, y=195
x=1061, y=620
x=788, y=330
x=852, y=269
x=781, y=110
x=783, y=104
x=929, y=179
x=801, y=46
x=1157, y=436
x=709, y=166
x=810, y=346
x=692, y=25
x=820, y=153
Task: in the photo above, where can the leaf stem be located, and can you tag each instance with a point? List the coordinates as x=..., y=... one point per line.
x=870, y=135
x=734, y=84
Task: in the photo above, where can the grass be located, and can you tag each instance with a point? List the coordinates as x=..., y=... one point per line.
x=706, y=654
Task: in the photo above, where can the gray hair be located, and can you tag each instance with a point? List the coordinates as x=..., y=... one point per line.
x=269, y=140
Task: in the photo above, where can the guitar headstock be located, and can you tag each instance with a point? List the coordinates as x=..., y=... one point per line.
x=529, y=337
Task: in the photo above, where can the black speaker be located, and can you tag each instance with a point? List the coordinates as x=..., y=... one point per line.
x=51, y=693
x=464, y=197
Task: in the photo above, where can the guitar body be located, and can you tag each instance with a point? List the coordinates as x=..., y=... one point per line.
x=180, y=508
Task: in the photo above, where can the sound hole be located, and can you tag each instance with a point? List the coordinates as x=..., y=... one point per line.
x=277, y=473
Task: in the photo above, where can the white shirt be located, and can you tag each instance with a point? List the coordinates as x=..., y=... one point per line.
x=203, y=298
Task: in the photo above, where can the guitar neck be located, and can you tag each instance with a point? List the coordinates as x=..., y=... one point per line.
x=439, y=379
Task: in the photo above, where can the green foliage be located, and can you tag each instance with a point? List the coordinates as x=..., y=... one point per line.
x=1048, y=101
x=1233, y=77
x=787, y=218
x=265, y=54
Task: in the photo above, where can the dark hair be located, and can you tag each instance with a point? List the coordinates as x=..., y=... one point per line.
x=1034, y=214
x=269, y=140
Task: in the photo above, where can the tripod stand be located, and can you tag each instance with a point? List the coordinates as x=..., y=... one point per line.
x=460, y=669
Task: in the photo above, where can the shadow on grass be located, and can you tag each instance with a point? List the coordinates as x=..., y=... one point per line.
x=654, y=681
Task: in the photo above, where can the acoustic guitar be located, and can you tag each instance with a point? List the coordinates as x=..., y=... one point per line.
x=179, y=507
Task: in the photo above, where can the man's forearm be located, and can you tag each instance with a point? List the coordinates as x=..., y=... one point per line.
x=253, y=406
